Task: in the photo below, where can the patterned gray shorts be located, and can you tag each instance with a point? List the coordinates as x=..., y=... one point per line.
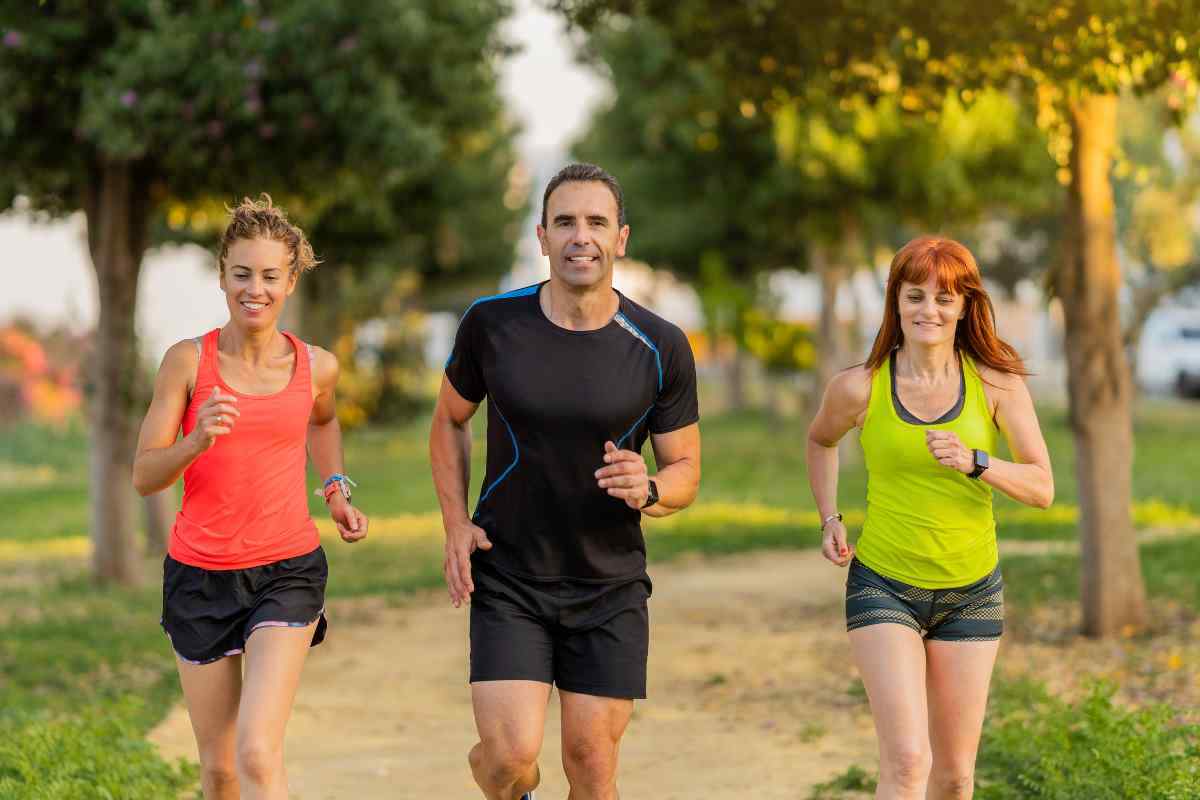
x=973, y=613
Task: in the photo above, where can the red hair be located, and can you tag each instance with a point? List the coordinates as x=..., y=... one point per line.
x=957, y=273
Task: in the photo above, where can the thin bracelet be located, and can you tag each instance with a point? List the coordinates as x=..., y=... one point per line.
x=837, y=515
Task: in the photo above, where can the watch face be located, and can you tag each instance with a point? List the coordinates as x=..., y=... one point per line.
x=981, y=458
x=652, y=496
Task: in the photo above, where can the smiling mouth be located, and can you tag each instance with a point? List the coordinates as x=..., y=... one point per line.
x=582, y=259
x=253, y=306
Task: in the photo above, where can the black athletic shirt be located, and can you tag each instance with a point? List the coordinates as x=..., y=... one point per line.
x=555, y=396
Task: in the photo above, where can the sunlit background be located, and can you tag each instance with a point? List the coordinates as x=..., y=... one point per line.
x=774, y=157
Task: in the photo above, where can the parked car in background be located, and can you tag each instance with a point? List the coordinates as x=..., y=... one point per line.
x=1168, y=357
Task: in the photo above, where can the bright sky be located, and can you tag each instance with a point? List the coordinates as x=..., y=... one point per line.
x=46, y=269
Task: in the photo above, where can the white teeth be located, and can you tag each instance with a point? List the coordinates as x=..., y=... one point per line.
x=254, y=306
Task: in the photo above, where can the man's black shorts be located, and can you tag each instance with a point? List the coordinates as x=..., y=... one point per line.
x=590, y=638
x=209, y=614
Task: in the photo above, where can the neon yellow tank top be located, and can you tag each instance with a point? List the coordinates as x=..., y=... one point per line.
x=927, y=525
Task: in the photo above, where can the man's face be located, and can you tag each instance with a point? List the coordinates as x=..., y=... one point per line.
x=582, y=236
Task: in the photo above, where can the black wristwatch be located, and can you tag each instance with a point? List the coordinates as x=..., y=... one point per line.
x=652, y=498
x=981, y=463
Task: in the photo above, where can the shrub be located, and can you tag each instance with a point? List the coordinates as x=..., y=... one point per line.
x=1038, y=746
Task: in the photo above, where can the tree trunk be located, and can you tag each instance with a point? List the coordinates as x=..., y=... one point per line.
x=160, y=509
x=1098, y=378
x=314, y=309
x=116, y=211
x=831, y=350
x=735, y=380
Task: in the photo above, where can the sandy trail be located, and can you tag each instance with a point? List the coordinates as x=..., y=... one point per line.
x=750, y=692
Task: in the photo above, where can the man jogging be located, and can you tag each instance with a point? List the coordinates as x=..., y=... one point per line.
x=553, y=561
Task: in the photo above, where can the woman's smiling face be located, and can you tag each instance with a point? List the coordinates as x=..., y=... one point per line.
x=929, y=313
x=257, y=278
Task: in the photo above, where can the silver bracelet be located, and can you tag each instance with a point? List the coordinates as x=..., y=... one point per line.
x=836, y=515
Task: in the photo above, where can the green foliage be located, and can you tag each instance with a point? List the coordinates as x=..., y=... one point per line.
x=732, y=181
x=1037, y=746
x=917, y=49
x=854, y=779
x=99, y=753
x=863, y=159
x=780, y=345
x=378, y=124
x=697, y=164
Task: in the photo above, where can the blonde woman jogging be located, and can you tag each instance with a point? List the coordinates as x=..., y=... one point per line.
x=244, y=578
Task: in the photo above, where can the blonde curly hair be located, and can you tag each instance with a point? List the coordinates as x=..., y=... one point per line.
x=262, y=219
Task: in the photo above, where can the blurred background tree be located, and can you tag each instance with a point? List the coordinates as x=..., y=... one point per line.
x=726, y=186
x=702, y=182
x=1070, y=60
x=142, y=114
x=1156, y=186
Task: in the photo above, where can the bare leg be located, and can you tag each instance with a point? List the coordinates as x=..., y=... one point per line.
x=891, y=660
x=510, y=717
x=957, y=676
x=274, y=659
x=212, y=692
x=591, y=738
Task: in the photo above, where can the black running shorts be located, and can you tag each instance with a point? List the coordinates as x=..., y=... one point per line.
x=590, y=638
x=209, y=614
x=972, y=613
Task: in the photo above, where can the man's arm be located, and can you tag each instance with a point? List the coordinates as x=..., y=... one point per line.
x=450, y=460
x=678, y=478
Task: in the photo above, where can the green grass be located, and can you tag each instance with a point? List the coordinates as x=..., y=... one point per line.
x=1171, y=568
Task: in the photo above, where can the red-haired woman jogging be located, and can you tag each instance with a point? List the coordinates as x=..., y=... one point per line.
x=924, y=595
x=244, y=578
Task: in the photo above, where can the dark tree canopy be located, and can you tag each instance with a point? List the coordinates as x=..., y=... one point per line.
x=376, y=123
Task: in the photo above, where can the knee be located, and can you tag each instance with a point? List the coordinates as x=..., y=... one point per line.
x=954, y=784
x=219, y=774
x=503, y=762
x=590, y=764
x=908, y=767
x=258, y=763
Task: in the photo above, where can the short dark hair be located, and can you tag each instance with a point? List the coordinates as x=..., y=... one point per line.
x=583, y=173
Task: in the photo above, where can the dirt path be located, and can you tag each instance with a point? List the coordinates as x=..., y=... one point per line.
x=750, y=686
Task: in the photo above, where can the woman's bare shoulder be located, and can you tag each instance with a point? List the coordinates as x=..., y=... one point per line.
x=851, y=386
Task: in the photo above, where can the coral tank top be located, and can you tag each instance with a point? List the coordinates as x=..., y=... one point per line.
x=245, y=501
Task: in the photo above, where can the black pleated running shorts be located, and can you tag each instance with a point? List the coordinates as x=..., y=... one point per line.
x=972, y=613
x=590, y=638
x=209, y=614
